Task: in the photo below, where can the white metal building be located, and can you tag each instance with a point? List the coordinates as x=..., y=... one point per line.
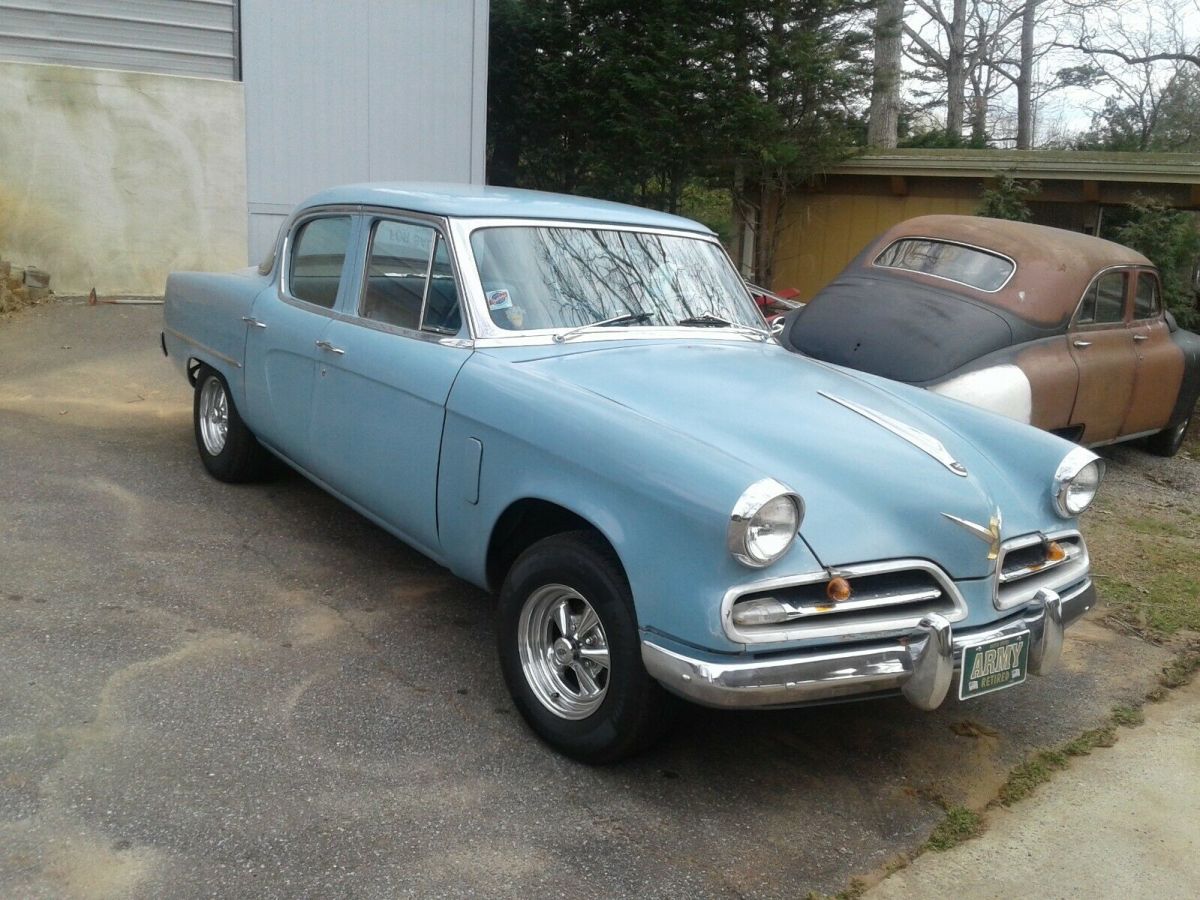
x=132, y=131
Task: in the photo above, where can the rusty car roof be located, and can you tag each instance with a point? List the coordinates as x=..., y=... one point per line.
x=1054, y=266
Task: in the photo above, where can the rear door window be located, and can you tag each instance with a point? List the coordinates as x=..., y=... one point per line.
x=1104, y=301
x=318, y=260
x=1146, y=304
x=955, y=262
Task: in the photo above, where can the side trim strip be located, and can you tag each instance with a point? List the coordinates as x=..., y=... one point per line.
x=199, y=346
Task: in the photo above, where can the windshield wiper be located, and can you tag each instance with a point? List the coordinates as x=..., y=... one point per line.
x=708, y=320
x=629, y=318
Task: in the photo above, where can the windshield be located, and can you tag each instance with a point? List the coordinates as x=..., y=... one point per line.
x=556, y=277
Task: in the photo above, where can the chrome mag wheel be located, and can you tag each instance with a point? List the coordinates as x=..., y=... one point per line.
x=214, y=415
x=564, y=651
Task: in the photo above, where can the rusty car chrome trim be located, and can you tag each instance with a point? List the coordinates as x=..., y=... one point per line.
x=942, y=240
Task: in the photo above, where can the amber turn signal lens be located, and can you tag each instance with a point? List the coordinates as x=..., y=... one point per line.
x=838, y=589
x=1055, y=552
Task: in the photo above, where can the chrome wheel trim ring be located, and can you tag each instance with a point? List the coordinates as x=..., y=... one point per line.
x=564, y=651
x=214, y=415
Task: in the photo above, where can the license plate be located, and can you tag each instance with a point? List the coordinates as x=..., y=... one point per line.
x=994, y=665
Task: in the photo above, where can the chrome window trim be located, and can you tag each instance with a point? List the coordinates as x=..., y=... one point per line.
x=285, y=253
x=1069, y=573
x=794, y=631
x=488, y=334
x=375, y=215
x=923, y=237
x=1073, y=324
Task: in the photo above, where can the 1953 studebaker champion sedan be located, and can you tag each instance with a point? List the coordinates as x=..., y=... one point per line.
x=576, y=404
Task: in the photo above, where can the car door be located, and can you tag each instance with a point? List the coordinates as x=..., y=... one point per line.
x=1159, y=371
x=284, y=328
x=1102, y=348
x=385, y=374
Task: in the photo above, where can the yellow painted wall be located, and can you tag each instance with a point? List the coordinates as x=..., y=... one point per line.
x=824, y=231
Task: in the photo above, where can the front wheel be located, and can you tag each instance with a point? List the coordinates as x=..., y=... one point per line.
x=228, y=449
x=1169, y=441
x=570, y=652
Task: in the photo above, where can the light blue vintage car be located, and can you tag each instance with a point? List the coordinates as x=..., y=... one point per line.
x=576, y=404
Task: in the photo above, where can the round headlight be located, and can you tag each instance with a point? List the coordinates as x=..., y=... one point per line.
x=764, y=522
x=1076, y=482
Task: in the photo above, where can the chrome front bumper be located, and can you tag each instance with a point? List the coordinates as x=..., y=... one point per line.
x=920, y=666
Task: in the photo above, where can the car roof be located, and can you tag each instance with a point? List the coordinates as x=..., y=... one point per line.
x=482, y=201
x=1054, y=266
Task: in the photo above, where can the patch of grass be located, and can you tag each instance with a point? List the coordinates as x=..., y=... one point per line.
x=1024, y=779
x=1155, y=527
x=1167, y=602
x=1180, y=670
x=960, y=824
x=1127, y=716
x=1090, y=740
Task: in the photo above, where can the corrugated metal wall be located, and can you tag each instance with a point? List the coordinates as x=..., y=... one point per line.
x=176, y=37
x=359, y=90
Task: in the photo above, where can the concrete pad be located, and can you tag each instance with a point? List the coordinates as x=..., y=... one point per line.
x=1119, y=823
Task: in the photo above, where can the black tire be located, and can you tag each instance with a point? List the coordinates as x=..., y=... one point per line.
x=634, y=710
x=1168, y=441
x=236, y=458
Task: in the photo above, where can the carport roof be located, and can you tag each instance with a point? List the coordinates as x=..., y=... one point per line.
x=1066, y=165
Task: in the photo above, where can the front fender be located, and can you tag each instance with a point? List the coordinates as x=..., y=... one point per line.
x=661, y=498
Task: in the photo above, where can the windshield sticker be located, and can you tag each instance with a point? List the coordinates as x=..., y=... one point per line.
x=499, y=299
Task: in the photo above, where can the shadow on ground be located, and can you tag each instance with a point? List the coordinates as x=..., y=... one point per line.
x=208, y=690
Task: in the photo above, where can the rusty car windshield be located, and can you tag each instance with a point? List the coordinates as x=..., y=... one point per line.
x=537, y=277
x=944, y=259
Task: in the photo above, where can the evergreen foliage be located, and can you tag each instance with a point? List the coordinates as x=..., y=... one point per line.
x=1007, y=199
x=1169, y=238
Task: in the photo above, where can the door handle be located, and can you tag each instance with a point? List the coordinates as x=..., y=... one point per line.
x=1082, y=343
x=253, y=322
x=1141, y=337
x=325, y=345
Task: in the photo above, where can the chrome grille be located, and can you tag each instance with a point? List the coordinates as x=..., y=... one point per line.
x=1024, y=566
x=885, y=596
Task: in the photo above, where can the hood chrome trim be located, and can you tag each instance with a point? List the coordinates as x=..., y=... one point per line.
x=924, y=442
x=989, y=535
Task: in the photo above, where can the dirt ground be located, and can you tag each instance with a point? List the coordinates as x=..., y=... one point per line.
x=226, y=691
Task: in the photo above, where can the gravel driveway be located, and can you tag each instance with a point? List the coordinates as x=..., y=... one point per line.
x=209, y=690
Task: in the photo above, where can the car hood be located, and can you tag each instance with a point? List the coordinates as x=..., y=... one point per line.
x=869, y=493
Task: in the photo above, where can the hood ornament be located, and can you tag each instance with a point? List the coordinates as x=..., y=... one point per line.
x=989, y=535
x=926, y=443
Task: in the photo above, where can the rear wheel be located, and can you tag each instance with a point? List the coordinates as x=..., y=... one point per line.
x=570, y=652
x=227, y=448
x=1168, y=441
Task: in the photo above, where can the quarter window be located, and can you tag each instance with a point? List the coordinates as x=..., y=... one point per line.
x=318, y=259
x=1104, y=301
x=1145, y=302
x=967, y=265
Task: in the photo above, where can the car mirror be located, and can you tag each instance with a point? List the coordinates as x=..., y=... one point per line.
x=1172, y=325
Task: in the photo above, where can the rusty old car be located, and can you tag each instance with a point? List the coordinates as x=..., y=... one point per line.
x=1058, y=329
